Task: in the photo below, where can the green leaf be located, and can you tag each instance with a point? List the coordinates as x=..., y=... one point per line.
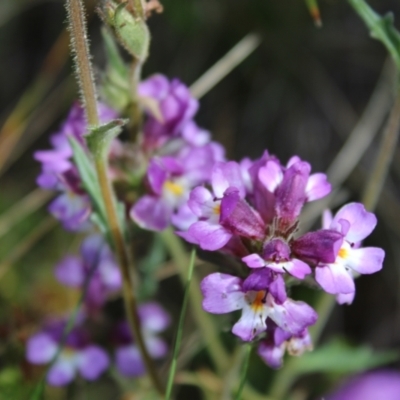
x=115, y=81
x=132, y=32
x=100, y=137
x=179, y=332
x=88, y=175
x=381, y=28
x=339, y=357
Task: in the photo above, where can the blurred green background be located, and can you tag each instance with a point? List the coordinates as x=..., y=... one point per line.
x=302, y=91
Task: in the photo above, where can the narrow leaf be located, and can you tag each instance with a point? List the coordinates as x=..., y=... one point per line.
x=88, y=175
x=381, y=28
x=178, y=339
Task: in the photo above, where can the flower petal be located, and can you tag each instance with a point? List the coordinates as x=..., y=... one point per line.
x=70, y=271
x=40, y=348
x=92, y=362
x=366, y=260
x=151, y=213
x=251, y=323
x=62, y=371
x=317, y=187
x=208, y=236
x=129, y=362
x=222, y=293
x=334, y=279
x=254, y=261
x=362, y=222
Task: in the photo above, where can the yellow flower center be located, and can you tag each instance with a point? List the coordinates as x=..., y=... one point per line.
x=173, y=188
x=217, y=209
x=258, y=302
x=343, y=253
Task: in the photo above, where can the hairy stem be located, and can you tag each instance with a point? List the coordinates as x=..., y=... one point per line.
x=243, y=376
x=79, y=43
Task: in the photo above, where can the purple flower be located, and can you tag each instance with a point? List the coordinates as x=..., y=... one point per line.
x=225, y=293
x=170, y=180
x=78, y=354
x=384, y=384
x=171, y=107
x=127, y=355
x=273, y=347
x=336, y=276
x=72, y=207
x=96, y=259
x=223, y=212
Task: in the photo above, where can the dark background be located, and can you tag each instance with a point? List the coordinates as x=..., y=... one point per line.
x=301, y=92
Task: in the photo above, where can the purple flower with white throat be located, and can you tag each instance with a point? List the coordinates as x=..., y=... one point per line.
x=77, y=355
x=225, y=293
x=96, y=263
x=170, y=180
x=354, y=223
x=127, y=355
x=222, y=213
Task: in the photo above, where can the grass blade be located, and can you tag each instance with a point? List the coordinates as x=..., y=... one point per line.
x=178, y=339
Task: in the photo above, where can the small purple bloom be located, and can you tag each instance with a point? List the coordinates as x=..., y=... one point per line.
x=170, y=180
x=96, y=259
x=224, y=293
x=336, y=276
x=78, y=354
x=273, y=347
x=171, y=107
x=127, y=355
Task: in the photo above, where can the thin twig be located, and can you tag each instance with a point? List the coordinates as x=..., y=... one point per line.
x=225, y=65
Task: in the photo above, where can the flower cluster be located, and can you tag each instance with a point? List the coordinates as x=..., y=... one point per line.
x=252, y=210
x=181, y=154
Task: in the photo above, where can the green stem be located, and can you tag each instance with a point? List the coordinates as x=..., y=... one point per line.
x=84, y=71
x=215, y=348
x=243, y=377
x=178, y=339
